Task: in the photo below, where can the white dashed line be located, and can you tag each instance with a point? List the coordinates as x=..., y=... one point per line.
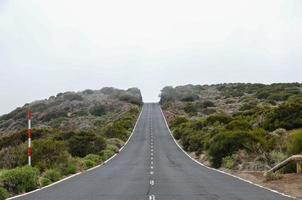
x=151, y=162
x=151, y=197
x=151, y=172
x=151, y=182
x=151, y=167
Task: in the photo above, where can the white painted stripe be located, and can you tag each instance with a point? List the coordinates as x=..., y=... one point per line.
x=151, y=182
x=29, y=124
x=151, y=162
x=237, y=177
x=151, y=197
x=151, y=172
x=151, y=167
x=29, y=142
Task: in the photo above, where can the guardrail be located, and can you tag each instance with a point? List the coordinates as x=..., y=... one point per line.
x=294, y=158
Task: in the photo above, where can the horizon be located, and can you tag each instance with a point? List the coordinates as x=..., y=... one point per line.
x=121, y=44
x=45, y=98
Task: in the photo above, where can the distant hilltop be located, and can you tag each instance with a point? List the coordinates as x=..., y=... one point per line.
x=73, y=110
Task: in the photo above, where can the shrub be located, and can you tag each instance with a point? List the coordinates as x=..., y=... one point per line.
x=20, y=179
x=71, y=169
x=116, y=142
x=3, y=194
x=49, y=153
x=106, y=154
x=178, y=120
x=113, y=148
x=73, y=97
x=287, y=115
x=226, y=143
x=83, y=143
x=206, y=104
x=98, y=110
x=239, y=124
x=44, y=181
x=294, y=145
x=52, y=174
x=93, y=157
x=228, y=162
x=89, y=163
x=190, y=108
x=218, y=118
x=116, y=130
x=190, y=97
x=12, y=157
x=271, y=176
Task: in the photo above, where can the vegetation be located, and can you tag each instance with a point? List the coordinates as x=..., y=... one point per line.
x=87, y=128
x=253, y=126
x=3, y=193
x=20, y=179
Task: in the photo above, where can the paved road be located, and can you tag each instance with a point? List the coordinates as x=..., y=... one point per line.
x=151, y=166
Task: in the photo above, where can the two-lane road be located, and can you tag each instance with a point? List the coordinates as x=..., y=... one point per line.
x=151, y=166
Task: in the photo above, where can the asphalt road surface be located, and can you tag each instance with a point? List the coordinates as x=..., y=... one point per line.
x=151, y=166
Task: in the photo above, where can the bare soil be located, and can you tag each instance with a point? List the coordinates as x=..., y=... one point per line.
x=290, y=184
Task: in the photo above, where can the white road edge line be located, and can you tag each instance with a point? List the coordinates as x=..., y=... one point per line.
x=73, y=175
x=237, y=177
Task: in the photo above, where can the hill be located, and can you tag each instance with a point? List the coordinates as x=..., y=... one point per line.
x=73, y=110
x=72, y=131
x=237, y=126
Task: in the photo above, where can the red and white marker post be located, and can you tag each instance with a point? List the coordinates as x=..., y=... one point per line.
x=29, y=132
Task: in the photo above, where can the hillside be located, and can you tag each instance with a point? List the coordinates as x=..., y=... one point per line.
x=72, y=131
x=73, y=110
x=237, y=126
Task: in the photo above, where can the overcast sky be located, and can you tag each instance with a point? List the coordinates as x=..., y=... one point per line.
x=53, y=46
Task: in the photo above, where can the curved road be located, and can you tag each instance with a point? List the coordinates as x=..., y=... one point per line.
x=151, y=166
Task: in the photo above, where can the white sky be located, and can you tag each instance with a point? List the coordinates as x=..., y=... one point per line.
x=52, y=46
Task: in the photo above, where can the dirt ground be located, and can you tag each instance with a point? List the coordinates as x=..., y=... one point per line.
x=290, y=184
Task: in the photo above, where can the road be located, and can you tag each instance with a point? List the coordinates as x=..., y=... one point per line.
x=151, y=166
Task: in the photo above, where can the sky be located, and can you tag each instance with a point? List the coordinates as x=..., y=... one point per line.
x=52, y=46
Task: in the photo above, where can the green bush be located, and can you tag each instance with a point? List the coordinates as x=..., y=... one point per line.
x=113, y=148
x=3, y=194
x=106, y=154
x=116, y=142
x=72, y=169
x=98, y=110
x=20, y=179
x=218, y=118
x=49, y=153
x=83, y=143
x=288, y=115
x=190, y=108
x=238, y=124
x=294, y=145
x=89, y=163
x=12, y=157
x=178, y=120
x=226, y=143
x=92, y=160
x=271, y=176
x=228, y=162
x=52, y=174
x=116, y=130
x=44, y=181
